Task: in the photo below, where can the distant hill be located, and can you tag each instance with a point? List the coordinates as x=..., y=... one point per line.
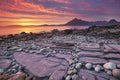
x=80, y=22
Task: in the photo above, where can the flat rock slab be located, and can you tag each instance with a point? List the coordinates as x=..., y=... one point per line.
x=86, y=76
x=116, y=47
x=87, y=53
x=64, y=56
x=115, y=61
x=1, y=52
x=90, y=45
x=59, y=74
x=93, y=74
x=38, y=64
x=107, y=47
x=5, y=63
x=93, y=60
x=112, y=56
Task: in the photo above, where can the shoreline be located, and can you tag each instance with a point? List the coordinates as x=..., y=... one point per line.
x=61, y=55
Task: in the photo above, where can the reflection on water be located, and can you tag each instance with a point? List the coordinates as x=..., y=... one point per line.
x=34, y=29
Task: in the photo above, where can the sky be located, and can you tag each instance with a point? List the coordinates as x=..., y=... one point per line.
x=39, y=12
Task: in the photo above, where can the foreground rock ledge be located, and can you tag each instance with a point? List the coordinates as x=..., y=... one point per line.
x=42, y=66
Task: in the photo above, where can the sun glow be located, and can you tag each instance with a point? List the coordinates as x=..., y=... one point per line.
x=27, y=30
x=26, y=22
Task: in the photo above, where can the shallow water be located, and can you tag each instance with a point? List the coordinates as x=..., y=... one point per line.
x=34, y=29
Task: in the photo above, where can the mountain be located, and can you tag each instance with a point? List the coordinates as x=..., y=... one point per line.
x=80, y=22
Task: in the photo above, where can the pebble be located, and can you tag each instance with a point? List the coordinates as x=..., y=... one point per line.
x=74, y=71
x=75, y=77
x=100, y=67
x=1, y=71
x=97, y=69
x=78, y=65
x=71, y=62
x=18, y=50
x=109, y=72
x=42, y=50
x=118, y=65
x=88, y=65
x=109, y=65
x=116, y=73
x=68, y=77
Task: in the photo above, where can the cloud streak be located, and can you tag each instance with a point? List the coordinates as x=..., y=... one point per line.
x=58, y=11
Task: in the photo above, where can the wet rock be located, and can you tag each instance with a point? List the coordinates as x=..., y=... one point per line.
x=5, y=63
x=112, y=56
x=100, y=74
x=42, y=50
x=88, y=65
x=100, y=78
x=109, y=72
x=93, y=60
x=18, y=50
x=68, y=77
x=92, y=54
x=116, y=73
x=30, y=78
x=1, y=71
x=97, y=69
x=59, y=74
x=109, y=65
x=64, y=56
x=86, y=76
x=71, y=62
x=4, y=77
x=78, y=65
x=118, y=65
x=43, y=66
x=75, y=77
x=74, y=71
x=1, y=52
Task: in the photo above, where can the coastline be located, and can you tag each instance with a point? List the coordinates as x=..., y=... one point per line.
x=61, y=55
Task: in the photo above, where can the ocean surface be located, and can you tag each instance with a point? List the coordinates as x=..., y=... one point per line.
x=35, y=29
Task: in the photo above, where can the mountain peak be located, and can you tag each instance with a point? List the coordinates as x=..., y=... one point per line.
x=112, y=20
x=77, y=21
x=80, y=22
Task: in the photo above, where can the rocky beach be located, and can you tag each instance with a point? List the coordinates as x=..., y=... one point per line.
x=71, y=54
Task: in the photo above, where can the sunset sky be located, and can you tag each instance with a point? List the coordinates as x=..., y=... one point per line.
x=38, y=12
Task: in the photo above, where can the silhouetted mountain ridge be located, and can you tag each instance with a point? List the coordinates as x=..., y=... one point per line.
x=80, y=22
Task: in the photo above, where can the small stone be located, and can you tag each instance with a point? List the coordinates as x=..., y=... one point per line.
x=109, y=72
x=74, y=71
x=18, y=50
x=75, y=77
x=109, y=65
x=1, y=71
x=88, y=65
x=68, y=77
x=100, y=67
x=97, y=69
x=116, y=73
x=71, y=62
x=42, y=50
x=118, y=65
x=78, y=65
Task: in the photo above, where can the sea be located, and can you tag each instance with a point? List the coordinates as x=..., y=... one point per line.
x=5, y=30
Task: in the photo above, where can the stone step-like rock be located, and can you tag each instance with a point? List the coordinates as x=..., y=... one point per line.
x=116, y=47
x=5, y=63
x=100, y=74
x=88, y=53
x=39, y=65
x=112, y=56
x=93, y=60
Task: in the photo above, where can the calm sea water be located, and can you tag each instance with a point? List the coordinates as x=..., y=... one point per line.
x=34, y=29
